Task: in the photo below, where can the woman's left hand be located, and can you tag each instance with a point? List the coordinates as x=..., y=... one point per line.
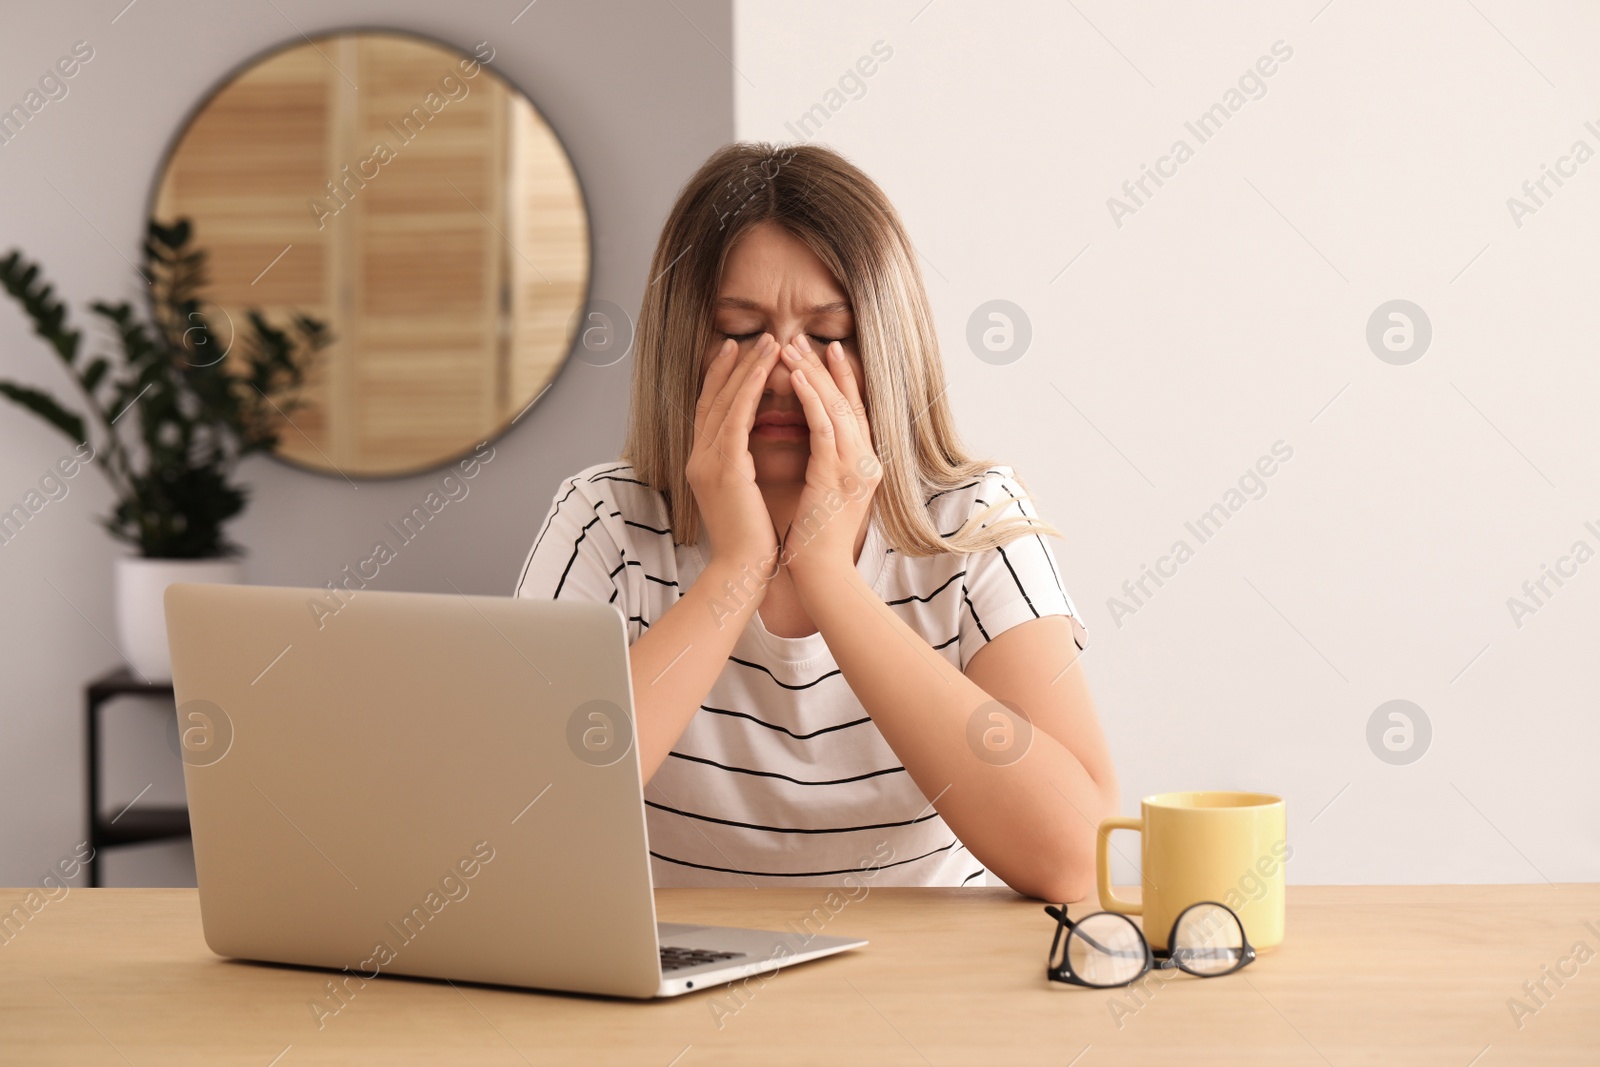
x=843, y=471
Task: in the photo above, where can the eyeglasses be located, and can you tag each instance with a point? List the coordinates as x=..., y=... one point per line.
x=1106, y=949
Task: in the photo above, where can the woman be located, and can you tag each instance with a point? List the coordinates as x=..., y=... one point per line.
x=851, y=652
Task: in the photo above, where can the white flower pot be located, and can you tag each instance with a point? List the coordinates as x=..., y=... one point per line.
x=141, y=616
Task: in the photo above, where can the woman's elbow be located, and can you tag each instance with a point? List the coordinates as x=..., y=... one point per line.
x=1073, y=875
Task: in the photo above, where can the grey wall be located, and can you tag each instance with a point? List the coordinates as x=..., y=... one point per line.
x=639, y=92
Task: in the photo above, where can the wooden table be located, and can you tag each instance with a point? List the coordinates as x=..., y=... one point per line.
x=1367, y=975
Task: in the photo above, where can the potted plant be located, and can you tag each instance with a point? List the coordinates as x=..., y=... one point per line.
x=172, y=417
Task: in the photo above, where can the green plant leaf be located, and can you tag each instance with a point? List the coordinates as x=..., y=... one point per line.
x=174, y=236
x=48, y=314
x=97, y=371
x=117, y=313
x=172, y=462
x=44, y=405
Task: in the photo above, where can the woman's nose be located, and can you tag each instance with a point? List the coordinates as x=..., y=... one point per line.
x=779, y=381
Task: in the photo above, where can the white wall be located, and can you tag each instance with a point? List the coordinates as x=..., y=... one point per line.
x=639, y=94
x=1228, y=313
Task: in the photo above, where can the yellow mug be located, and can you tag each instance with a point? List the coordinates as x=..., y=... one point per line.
x=1222, y=846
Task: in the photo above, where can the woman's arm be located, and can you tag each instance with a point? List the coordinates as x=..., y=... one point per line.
x=1032, y=821
x=677, y=660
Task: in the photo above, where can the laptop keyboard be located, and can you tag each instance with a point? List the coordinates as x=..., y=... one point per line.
x=674, y=958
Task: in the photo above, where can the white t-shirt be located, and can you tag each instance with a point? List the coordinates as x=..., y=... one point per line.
x=782, y=778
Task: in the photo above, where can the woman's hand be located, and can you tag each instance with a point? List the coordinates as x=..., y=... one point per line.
x=843, y=471
x=721, y=472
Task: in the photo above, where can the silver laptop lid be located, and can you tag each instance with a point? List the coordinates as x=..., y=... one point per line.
x=411, y=783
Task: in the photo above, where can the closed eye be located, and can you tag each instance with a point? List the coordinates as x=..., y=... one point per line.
x=743, y=337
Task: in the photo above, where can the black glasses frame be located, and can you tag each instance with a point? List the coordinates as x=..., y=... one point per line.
x=1162, y=960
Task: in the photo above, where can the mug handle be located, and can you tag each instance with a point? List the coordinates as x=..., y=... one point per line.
x=1109, y=900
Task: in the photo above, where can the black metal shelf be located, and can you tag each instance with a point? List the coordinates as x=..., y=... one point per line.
x=145, y=824
x=134, y=824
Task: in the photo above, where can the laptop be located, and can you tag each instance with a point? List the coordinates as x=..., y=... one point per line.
x=435, y=785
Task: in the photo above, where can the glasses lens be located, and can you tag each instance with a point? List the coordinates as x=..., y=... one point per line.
x=1106, y=950
x=1208, y=940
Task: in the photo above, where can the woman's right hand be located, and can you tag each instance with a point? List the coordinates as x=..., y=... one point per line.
x=721, y=471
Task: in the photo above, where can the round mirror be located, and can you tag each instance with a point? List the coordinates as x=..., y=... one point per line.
x=415, y=202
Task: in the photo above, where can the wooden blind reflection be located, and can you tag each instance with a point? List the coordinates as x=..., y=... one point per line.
x=429, y=216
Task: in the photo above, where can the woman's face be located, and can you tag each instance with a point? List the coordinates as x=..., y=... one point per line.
x=773, y=283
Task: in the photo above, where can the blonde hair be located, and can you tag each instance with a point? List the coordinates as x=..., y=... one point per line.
x=842, y=216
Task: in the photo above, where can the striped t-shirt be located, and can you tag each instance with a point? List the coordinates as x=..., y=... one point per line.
x=782, y=778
